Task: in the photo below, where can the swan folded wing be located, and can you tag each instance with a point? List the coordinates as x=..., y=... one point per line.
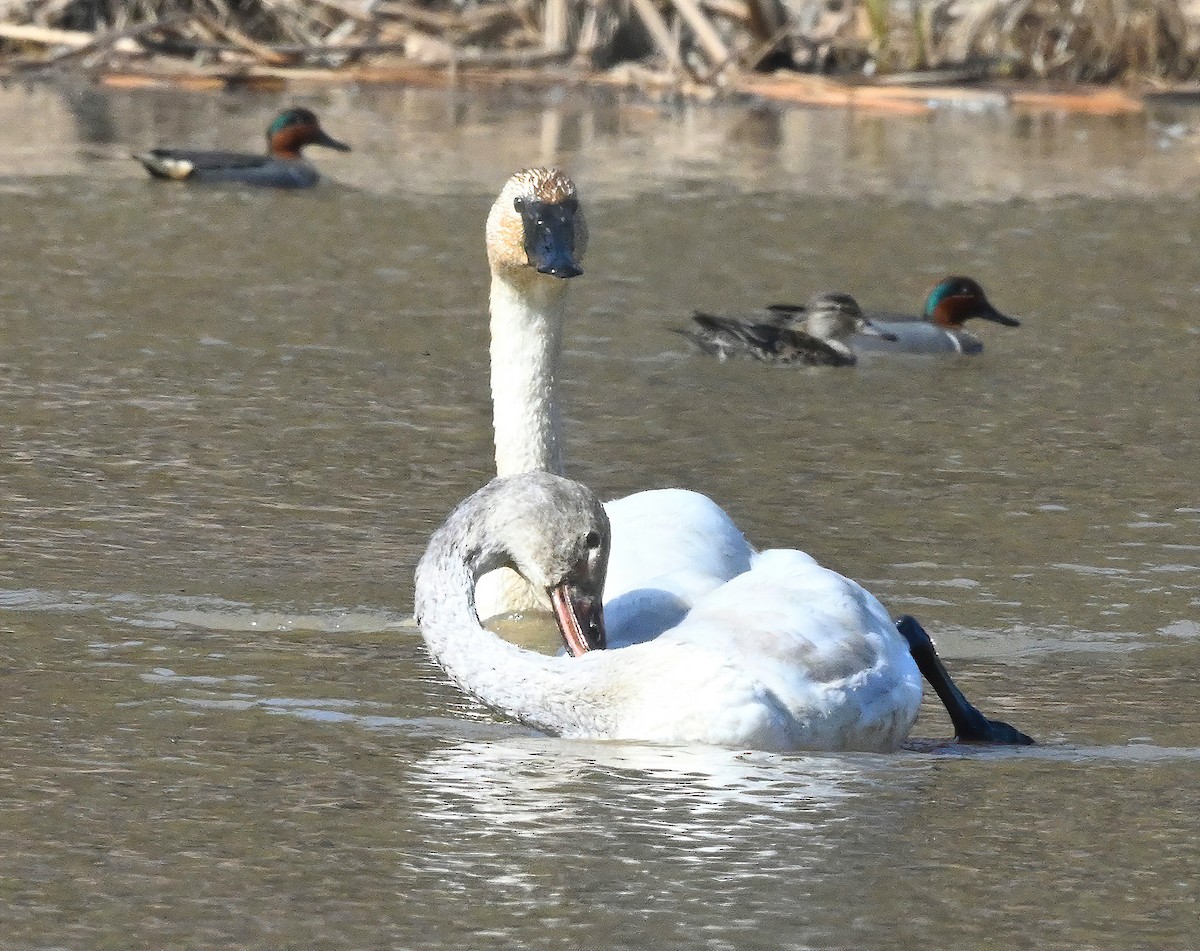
x=671, y=547
x=640, y=615
x=818, y=645
x=664, y=532
x=674, y=692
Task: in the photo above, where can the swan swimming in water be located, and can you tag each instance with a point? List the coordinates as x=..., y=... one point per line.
x=816, y=664
x=671, y=549
x=790, y=656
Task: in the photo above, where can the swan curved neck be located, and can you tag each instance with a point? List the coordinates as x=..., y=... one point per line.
x=527, y=314
x=547, y=693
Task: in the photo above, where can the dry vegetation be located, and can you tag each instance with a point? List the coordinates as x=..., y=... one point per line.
x=699, y=42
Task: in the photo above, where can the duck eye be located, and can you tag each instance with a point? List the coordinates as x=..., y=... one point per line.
x=519, y=203
x=592, y=540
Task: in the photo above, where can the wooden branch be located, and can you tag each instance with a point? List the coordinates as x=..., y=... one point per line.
x=817, y=91
x=289, y=52
x=657, y=27
x=349, y=10
x=783, y=88
x=555, y=29
x=430, y=19
x=767, y=19
x=737, y=10
x=766, y=48
x=44, y=36
x=260, y=51
x=281, y=54
x=589, y=36
x=706, y=34
x=510, y=58
x=122, y=41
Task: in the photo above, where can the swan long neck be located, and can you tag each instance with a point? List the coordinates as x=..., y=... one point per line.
x=527, y=317
x=550, y=694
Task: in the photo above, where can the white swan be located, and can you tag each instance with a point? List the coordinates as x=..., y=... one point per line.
x=678, y=562
x=670, y=546
x=788, y=656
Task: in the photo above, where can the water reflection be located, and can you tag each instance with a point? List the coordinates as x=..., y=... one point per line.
x=713, y=835
x=550, y=786
x=470, y=139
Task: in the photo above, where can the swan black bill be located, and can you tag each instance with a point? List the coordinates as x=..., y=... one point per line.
x=550, y=238
x=580, y=619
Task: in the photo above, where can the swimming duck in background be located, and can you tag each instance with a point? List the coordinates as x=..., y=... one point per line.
x=282, y=167
x=953, y=302
x=830, y=319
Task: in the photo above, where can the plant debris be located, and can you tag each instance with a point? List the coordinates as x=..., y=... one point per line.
x=693, y=46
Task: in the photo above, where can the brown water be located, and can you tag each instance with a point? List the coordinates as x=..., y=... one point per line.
x=233, y=418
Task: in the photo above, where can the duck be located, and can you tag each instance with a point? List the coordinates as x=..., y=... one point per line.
x=283, y=165
x=788, y=656
x=671, y=548
x=830, y=319
x=953, y=301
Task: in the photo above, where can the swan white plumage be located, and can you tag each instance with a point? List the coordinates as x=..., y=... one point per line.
x=787, y=656
x=682, y=581
x=670, y=546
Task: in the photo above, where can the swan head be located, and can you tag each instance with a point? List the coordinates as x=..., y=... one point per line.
x=555, y=534
x=835, y=317
x=536, y=230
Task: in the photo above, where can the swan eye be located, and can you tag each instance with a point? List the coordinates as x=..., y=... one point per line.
x=592, y=540
x=519, y=203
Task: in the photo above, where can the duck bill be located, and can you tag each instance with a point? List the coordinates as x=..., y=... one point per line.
x=988, y=312
x=580, y=619
x=550, y=238
x=868, y=329
x=324, y=138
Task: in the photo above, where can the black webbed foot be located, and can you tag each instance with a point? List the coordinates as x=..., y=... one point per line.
x=970, y=726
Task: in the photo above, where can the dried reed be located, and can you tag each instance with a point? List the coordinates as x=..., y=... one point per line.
x=692, y=41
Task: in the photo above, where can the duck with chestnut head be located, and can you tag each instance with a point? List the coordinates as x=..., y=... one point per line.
x=940, y=329
x=282, y=166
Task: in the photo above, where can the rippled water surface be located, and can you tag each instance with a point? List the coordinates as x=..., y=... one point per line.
x=233, y=418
